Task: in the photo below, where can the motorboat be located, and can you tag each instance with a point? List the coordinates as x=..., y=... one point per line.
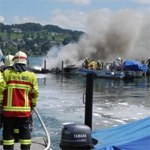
x=70, y=69
x=102, y=73
x=55, y=70
x=138, y=68
x=110, y=74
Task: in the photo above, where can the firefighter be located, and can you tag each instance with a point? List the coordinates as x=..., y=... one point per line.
x=9, y=62
x=114, y=66
x=92, y=65
x=98, y=65
x=20, y=98
x=86, y=63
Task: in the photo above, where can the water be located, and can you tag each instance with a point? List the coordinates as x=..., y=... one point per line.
x=36, y=61
x=115, y=102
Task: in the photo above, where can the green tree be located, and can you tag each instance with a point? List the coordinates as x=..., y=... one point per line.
x=53, y=37
x=1, y=39
x=45, y=48
x=66, y=40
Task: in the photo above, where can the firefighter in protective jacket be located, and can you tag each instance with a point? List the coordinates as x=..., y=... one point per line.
x=20, y=97
x=8, y=64
x=92, y=65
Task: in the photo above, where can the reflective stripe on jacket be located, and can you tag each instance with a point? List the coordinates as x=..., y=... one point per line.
x=21, y=93
x=2, y=87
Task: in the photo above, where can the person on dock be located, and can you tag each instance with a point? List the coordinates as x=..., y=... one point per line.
x=19, y=99
x=8, y=64
x=8, y=61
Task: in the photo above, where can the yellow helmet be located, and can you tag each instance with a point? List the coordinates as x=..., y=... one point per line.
x=20, y=58
x=9, y=60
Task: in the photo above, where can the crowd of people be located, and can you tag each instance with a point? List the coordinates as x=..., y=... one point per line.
x=98, y=65
x=91, y=64
x=18, y=98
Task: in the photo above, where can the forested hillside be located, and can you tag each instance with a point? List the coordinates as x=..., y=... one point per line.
x=33, y=38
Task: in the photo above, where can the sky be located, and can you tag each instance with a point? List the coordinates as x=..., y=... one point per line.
x=69, y=14
x=114, y=28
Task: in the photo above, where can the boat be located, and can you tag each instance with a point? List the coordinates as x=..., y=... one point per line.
x=71, y=69
x=136, y=66
x=129, y=74
x=102, y=73
x=131, y=136
x=84, y=71
x=55, y=70
x=38, y=142
x=110, y=74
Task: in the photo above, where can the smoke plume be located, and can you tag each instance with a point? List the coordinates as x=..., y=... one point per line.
x=125, y=34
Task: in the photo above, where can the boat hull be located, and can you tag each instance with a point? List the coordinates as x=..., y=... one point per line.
x=71, y=70
x=135, y=66
x=102, y=73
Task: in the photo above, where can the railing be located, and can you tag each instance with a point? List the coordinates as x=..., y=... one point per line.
x=45, y=129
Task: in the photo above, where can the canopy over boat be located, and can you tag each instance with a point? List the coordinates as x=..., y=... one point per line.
x=131, y=136
x=134, y=66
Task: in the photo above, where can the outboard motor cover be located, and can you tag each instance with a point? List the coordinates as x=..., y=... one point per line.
x=76, y=137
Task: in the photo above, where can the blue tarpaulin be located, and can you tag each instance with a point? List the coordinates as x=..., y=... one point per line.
x=134, y=66
x=130, y=136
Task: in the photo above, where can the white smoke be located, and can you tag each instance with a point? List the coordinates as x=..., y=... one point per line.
x=125, y=34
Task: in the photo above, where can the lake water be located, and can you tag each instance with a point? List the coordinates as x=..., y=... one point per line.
x=115, y=102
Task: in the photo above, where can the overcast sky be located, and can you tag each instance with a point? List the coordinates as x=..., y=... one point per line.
x=70, y=14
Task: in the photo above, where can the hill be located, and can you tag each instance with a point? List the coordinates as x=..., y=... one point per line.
x=33, y=38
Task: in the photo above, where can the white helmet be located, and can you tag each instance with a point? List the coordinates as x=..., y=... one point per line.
x=118, y=59
x=9, y=60
x=20, y=58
